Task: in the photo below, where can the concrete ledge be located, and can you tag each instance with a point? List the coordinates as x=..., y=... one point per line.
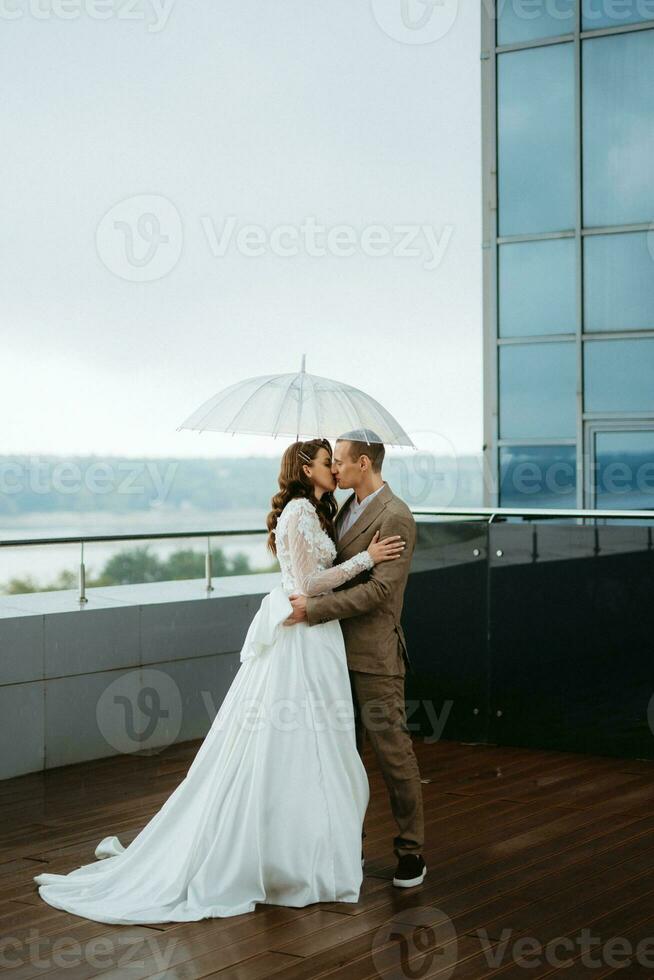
x=136, y=667
x=65, y=600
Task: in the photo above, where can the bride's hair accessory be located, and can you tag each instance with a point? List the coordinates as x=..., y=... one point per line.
x=293, y=482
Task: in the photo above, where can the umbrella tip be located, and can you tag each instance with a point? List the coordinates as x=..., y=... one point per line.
x=304, y=364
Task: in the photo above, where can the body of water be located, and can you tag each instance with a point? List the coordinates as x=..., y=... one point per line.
x=45, y=562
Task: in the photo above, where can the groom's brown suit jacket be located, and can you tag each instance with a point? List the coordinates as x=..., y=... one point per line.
x=370, y=605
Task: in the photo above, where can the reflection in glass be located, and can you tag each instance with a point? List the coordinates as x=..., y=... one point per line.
x=537, y=287
x=619, y=282
x=520, y=21
x=536, y=140
x=608, y=13
x=618, y=135
x=619, y=375
x=624, y=475
x=538, y=476
x=537, y=390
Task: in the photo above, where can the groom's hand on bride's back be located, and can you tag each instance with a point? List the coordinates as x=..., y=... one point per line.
x=299, y=614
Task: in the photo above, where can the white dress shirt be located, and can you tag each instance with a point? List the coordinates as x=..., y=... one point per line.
x=354, y=512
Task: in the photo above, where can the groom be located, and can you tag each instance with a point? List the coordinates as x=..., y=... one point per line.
x=369, y=608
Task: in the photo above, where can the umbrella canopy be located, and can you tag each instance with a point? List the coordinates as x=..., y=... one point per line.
x=301, y=405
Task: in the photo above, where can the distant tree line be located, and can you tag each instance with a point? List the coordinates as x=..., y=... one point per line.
x=139, y=564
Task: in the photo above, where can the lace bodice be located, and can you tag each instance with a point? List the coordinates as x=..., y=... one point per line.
x=306, y=552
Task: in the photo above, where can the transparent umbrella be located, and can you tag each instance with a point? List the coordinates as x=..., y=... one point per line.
x=301, y=405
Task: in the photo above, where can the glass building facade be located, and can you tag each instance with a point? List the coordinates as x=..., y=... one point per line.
x=568, y=170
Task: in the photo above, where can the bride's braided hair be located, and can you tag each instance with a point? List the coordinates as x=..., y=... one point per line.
x=293, y=482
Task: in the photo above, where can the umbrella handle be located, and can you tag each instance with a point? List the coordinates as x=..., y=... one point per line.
x=299, y=406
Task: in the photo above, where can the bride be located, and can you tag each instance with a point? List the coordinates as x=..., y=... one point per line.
x=271, y=809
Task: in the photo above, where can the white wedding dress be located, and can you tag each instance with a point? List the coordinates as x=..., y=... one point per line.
x=271, y=809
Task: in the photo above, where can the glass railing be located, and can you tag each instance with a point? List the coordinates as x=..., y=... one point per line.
x=116, y=564
x=157, y=556
x=534, y=632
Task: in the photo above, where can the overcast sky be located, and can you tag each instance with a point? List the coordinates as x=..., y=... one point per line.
x=140, y=144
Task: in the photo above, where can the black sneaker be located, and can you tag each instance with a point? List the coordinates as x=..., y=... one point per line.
x=411, y=871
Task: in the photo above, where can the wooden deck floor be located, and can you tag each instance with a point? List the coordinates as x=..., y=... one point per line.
x=523, y=847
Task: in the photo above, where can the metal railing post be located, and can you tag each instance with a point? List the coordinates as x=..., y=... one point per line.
x=82, y=575
x=207, y=566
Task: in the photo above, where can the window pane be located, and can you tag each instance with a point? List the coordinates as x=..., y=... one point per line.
x=618, y=282
x=618, y=135
x=619, y=375
x=536, y=156
x=537, y=391
x=608, y=13
x=524, y=20
x=537, y=287
x=624, y=477
x=538, y=476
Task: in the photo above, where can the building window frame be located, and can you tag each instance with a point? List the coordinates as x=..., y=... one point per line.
x=491, y=242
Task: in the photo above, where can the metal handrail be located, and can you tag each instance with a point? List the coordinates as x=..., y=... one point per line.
x=527, y=512
x=147, y=536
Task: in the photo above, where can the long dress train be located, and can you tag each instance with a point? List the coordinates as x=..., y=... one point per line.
x=271, y=809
